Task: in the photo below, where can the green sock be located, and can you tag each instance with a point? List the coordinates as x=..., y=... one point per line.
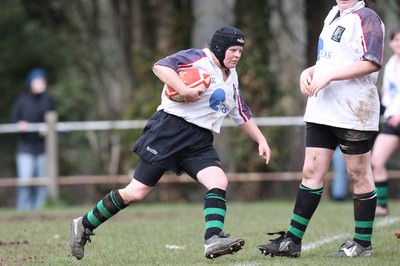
x=106, y=208
x=382, y=193
x=214, y=211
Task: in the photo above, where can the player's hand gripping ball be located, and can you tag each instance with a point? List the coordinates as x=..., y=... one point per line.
x=193, y=78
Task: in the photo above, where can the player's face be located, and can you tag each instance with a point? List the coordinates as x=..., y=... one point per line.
x=345, y=4
x=232, y=56
x=395, y=44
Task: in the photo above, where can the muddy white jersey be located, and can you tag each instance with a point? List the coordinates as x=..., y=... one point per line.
x=391, y=87
x=222, y=98
x=356, y=35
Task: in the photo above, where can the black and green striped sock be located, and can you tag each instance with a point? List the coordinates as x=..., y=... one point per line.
x=106, y=208
x=382, y=193
x=214, y=211
x=364, y=215
x=306, y=203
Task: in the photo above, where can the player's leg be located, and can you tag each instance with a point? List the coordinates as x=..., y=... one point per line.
x=358, y=160
x=321, y=144
x=316, y=164
x=208, y=173
x=145, y=178
x=385, y=145
x=216, y=183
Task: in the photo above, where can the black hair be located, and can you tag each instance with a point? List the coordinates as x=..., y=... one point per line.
x=393, y=33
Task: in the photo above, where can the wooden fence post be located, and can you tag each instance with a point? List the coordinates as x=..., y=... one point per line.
x=51, y=119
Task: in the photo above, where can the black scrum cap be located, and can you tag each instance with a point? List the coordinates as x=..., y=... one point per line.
x=224, y=38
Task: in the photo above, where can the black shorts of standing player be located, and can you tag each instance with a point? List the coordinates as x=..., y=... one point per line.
x=390, y=130
x=350, y=141
x=170, y=143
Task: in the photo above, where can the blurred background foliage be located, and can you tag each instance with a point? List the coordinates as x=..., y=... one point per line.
x=99, y=56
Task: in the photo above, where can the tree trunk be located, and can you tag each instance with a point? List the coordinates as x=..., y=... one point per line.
x=210, y=15
x=165, y=31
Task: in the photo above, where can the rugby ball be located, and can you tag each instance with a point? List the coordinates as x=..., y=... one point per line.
x=193, y=78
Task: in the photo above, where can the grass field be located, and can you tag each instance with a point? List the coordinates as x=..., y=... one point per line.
x=171, y=234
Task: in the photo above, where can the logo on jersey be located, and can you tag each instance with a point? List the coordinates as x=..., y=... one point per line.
x=393, y=89
x=217, y=101
x=321, y=52
x=337, y=34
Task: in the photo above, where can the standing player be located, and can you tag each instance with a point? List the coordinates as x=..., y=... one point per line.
x=388, y=140
x=179, y=137
x=342, y=109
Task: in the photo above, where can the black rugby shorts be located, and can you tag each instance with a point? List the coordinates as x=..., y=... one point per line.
x=350, y=141
x=171, y=143
x=387, y=129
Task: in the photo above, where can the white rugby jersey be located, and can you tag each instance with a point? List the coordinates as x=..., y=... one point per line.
x=219, y=100
x=353, y=104
x=391, y=87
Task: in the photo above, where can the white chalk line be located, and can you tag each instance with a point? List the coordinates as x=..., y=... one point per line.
x=377, y=224
x=381, y=223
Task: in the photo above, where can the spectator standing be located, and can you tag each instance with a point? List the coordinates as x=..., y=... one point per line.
x=28, y=108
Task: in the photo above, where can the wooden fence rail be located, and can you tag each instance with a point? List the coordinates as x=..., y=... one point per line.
x=53, y=181
x=52, y=127
x=167, y=178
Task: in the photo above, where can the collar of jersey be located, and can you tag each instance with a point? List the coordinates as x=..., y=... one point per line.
x=360, y=4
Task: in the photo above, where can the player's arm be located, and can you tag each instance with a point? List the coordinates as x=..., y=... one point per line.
x=353, y=71
x=305, y=80
x=251, y=129
x=168, y=76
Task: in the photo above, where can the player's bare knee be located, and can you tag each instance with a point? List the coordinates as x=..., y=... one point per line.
x=378, y=166
x=309, y=172
x=132, y=196
x=209, y=183
x=313, y=178
x=222, y=184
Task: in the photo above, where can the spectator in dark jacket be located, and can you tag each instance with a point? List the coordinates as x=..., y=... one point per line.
x=31, y=107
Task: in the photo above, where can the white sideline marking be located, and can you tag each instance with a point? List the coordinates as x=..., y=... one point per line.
x=321, y=242
x=387, y=221
x=382, y=223
x=174, y=247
